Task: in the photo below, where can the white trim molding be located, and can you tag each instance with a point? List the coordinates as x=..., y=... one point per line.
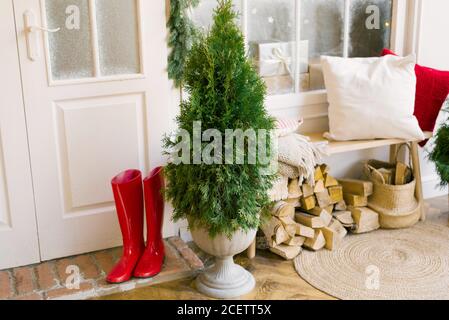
x=431, y=187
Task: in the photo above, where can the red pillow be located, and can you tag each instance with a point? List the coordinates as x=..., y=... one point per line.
x=432, y=89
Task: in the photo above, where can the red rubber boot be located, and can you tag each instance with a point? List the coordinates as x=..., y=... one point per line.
x=150, y=263
x=128, y=196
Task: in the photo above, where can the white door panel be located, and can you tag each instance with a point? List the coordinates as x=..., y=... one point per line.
x=18, y=232
x=95, y=106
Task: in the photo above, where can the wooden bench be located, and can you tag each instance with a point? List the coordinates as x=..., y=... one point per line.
x=337, y=147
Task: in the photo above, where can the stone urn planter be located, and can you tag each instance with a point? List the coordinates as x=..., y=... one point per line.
x=224, y=279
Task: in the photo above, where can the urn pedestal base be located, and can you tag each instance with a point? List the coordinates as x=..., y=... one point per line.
x=225, y=280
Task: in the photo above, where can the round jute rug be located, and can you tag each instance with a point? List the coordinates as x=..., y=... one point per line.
x=386, y=264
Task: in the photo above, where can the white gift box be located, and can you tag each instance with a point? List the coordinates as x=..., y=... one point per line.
x=277, y=58
x=285, y=84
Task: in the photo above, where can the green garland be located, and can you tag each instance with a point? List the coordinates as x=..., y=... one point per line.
x=440, y=154
x=182, y=32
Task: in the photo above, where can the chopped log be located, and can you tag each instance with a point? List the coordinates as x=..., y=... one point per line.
x=287, y=252
x=291, y=230
x=307, y=190
x=387, y=174
x=338, y=228
x=318, y=174
x=287, y=220
x=331, y=239
x=330, y=208
x=304, y=231
x=354, y=200
x=329, y=181
x=296, y=202
x=316, y=243
x=358, y=187
x=400, y=177
x=319, y=186
x=280, y=235
x=324, y=169
x=308, y=203
x=365, y=219
x=269, y=228
x=345, y=217
x=289, y=225
x=336, y=194
x=323, y=198
x=316, y=211
x=408, y=175
x=341, y=206
x=309, y=220
x=326, y=217
x=313, y=221
x=283, y=209
x=296, y=241
x=333, y=234
x=294, y=191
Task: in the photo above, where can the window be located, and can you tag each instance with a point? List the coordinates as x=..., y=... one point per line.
x=97, y=39
x=285, y=38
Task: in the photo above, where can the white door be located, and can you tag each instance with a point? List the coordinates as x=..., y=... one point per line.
x=97, y=102
x=18, y=233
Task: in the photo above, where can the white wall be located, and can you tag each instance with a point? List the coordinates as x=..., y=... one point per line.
x=433, y=51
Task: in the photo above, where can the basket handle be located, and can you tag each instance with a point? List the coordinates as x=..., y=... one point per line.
x=371, y=168
x=409, y=150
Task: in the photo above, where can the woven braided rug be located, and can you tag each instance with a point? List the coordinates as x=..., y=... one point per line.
x=386, y=264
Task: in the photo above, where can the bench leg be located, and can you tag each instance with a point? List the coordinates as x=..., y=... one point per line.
x=393, y=152
x=417, y=174
x=251, y=251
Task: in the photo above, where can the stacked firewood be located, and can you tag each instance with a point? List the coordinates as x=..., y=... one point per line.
x=319, y=215
x=356, y=193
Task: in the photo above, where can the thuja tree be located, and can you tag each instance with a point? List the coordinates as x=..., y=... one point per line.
x=225, y=92
x=440, y=153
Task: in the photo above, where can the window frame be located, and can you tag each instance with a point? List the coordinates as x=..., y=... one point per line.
x=402, y=30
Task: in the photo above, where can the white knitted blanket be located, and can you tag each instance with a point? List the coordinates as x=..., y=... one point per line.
x=298, y=152
x=297, y=158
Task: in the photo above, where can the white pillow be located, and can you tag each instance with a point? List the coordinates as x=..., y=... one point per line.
x=371, y=98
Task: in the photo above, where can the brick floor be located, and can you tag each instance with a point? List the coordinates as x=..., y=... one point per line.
x=57, y=279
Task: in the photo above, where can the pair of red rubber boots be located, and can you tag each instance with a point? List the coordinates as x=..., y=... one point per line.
x=130, y=194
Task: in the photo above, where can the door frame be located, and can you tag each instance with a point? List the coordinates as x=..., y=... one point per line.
x=18, y=231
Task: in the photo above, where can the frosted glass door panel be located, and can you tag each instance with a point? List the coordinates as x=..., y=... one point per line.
x=71, y=47
x=272, y=42
x=118, y=36
x=370, y=27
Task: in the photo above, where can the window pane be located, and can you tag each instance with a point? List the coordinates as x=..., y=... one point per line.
x=202, y=14
x=370, y=27
x=322, y=27
x=70, y=48
x=118, y=36
x=272, y=42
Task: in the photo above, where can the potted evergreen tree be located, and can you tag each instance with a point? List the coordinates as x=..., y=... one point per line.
x=440, y=153
x=223, y=201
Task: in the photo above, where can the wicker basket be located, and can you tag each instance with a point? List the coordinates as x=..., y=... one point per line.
x=396, y=204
